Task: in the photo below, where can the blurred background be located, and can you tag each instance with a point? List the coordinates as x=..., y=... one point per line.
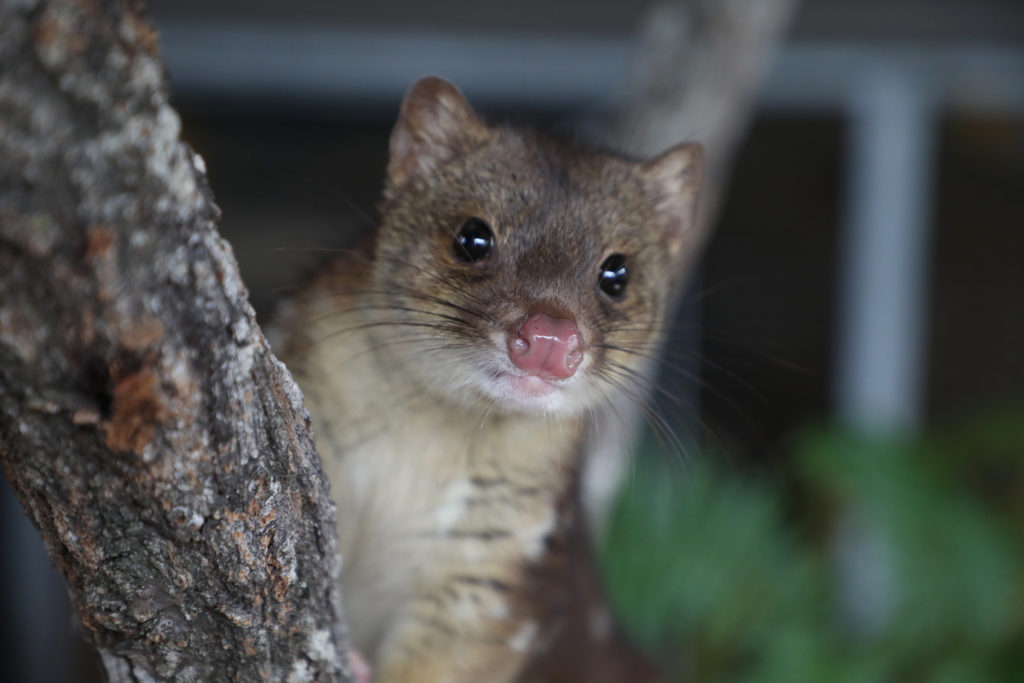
x=847, y=374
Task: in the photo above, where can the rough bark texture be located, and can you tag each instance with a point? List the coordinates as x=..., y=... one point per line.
x=156, y=443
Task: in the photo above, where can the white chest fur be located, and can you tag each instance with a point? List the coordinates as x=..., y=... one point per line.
x=425, y=490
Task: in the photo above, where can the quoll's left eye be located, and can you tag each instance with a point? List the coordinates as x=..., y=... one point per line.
x=614, y=276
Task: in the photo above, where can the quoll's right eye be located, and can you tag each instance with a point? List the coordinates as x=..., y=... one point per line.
x=474, y=241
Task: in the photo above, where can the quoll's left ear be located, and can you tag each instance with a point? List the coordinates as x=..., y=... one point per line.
x=672, y=181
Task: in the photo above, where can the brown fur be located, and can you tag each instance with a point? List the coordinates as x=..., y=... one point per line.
x=458, y=514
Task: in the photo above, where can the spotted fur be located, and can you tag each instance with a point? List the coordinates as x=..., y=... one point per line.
x=464, y=557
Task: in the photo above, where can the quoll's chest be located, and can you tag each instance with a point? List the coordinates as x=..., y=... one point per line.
x=428, y=494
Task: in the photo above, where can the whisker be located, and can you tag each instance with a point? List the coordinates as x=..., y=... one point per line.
x=711, y=388
x=382, y=323
x=404, y=309
x=694, y=377
x=447, y=282
x=399, y=292
x=617, y=378
x=685, y=408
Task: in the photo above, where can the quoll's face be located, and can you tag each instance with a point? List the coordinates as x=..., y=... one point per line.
x=525, y=275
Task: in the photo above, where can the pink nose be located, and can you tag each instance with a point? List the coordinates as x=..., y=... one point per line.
x=546, y=347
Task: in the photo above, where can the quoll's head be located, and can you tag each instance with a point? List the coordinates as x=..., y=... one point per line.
x=527, y=274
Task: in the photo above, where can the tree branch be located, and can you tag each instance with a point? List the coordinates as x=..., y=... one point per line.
x=153, y=439
x=696, y=76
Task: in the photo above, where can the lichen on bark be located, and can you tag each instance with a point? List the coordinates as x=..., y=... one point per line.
x=161, y=450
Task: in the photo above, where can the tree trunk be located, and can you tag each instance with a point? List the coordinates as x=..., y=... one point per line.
x=161, y=450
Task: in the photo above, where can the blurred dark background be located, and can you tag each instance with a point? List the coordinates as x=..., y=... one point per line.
x=291, y=104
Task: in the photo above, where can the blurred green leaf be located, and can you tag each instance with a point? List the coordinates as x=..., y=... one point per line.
x=732, y=577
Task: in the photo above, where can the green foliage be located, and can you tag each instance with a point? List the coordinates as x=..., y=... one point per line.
x=858, y=561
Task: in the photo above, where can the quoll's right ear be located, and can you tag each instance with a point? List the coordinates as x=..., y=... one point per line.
x=435, y=124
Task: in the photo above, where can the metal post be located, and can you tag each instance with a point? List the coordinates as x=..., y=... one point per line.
x=885, y=252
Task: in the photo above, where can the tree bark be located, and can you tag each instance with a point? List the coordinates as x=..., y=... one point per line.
x=153, y=439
